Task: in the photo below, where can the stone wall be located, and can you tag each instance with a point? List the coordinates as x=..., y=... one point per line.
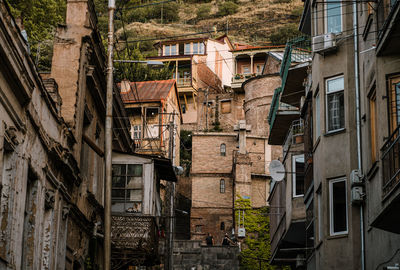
x=191, y=255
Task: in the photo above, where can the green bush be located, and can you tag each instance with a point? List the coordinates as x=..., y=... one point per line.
x=227, y=8
x=203, y=12
x=284, y=33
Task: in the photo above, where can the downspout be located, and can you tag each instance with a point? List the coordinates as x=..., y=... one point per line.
x=358, y=122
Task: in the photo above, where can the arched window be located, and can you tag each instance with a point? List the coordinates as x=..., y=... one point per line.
x=222, y=149
x=222, y=186
x=222, y=227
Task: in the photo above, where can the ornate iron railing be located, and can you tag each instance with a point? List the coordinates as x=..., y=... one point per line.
x=134, y=239
x=391, y=163
x=385, y=10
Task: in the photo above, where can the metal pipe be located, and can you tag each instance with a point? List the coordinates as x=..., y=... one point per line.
x=108, y=138
x=358, y=121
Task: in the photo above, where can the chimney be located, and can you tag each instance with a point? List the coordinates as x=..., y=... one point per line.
x=242, y=128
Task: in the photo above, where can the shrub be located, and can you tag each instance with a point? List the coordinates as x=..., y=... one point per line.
x=203, y=12
x=284, y=33
x=227, y=8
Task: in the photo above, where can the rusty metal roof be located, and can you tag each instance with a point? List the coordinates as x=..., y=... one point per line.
x=148, y=91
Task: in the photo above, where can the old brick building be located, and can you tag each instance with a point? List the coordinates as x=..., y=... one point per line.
x=233, y=163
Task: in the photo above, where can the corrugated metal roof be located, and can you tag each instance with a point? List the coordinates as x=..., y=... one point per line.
x=296, y=57
x=147, y=91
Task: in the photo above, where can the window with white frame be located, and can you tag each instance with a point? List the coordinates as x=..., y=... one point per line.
x=320, y=217
x=187, y=49
x=246, y=69
x=136, y=132
x=127, y=188
x=170, y=50
x=298, y=175
x=335, y=103
x=317, y=116
x=338, y=206
x=333, y=16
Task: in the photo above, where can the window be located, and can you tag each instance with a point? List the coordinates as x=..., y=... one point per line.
x=246, y=69
x=136, y=132
x=222, y=186
x=187, y=48
x=394, y=102
x=259, y=69
x=338, y=206
x=195, y=48
x=127, y=188
x=298, y=175
x=183, y=108
x=222, y=226
x=225, y=106
x=372, y=123
x=335, y=103
x=198, y=228
x=222, y=149
x=317, y=116
x=333, y=16
x=320, y=217
x=315, y=20
x=170, y=50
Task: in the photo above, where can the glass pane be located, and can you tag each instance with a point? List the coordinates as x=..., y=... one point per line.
x=333, y=18
x=118, y=194
x=134, y=195
x=202, y=48
x=187, y=48
x=335, y=111
x=339, y=207
x=317, y=117
x=335, y=85
x=397, y=89
x=118, y=181
x=134, y=182
x=133, y=207
x=118, y=169
x=118, y=207
x=299, y=169
x=195, y=48
x=173, y=50
x=135, y=169
x=167, y=50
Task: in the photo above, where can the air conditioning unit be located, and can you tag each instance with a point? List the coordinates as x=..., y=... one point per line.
x=324, y=42
x=356, y=178
x=241, y=232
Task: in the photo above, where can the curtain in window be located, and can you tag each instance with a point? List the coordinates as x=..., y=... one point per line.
x=335, y=111
x=333, y=17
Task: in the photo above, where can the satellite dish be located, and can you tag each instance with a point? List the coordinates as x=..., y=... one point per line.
x=277, y=170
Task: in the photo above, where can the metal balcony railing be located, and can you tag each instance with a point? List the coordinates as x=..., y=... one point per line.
x=391, y=163
x=294, y=136
x=297, y=50
x=277, y=105
x=385, y=10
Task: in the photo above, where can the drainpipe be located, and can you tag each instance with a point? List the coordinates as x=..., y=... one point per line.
x=358, y=122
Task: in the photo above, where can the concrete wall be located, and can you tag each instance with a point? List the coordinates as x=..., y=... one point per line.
x=192, y=255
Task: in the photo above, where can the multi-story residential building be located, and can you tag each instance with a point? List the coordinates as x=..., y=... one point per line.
x=198, y=64
x=288, y=217
x=249, y=62
x=155, y=116
x=350, y=135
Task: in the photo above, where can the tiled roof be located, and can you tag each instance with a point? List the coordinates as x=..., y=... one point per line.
x=147, y=91
x=242, y=47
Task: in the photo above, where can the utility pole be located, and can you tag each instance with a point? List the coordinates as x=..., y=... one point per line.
x=172, y=195
x=108, y=138
x=207, y=108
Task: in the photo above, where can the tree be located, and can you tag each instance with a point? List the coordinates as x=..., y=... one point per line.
x=284, y=33
x=40, y=18
x=256, y=248
x=138, y=71
x=227, y=8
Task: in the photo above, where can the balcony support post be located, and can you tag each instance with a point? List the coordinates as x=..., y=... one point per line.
x=251, y=63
